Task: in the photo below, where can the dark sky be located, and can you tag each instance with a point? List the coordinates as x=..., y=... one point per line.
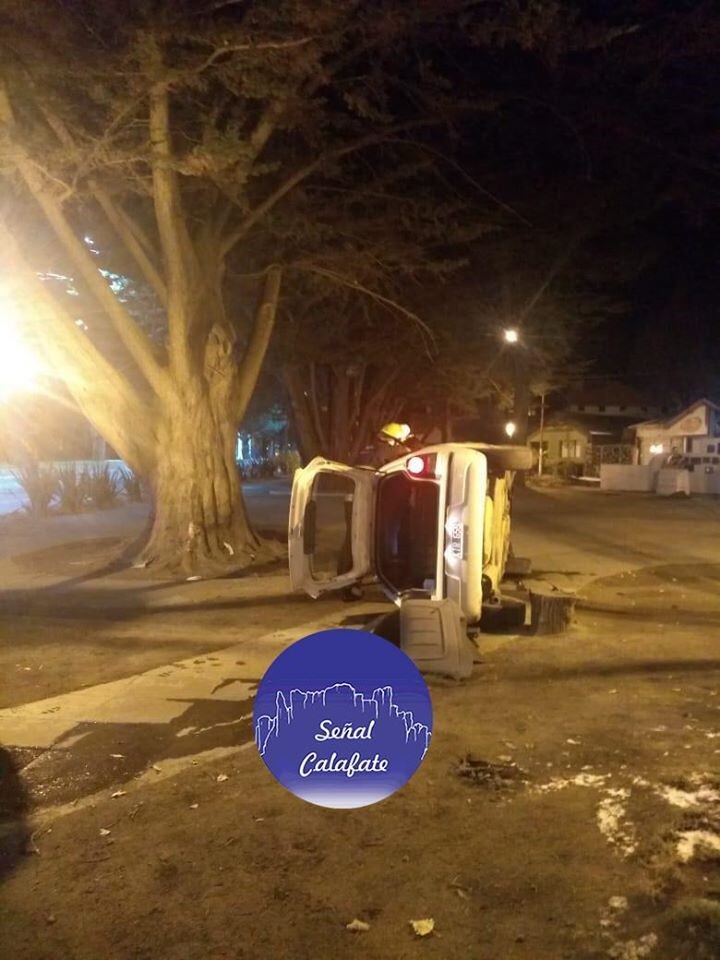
x=617, y=140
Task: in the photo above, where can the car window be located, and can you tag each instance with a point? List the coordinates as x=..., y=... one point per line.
x=328, y=525
x=406, y=527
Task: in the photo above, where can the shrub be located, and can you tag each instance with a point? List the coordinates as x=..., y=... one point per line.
x=40, y=483
x=103, y=487
x=72, y=489
x=131, y=484
x=569, y=469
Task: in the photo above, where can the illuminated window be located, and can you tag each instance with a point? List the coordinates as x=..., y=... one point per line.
x=569, y=449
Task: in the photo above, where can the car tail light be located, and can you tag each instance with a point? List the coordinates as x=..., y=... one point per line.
x=421, y=467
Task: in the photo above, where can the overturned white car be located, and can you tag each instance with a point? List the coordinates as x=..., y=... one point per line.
x=433, y=527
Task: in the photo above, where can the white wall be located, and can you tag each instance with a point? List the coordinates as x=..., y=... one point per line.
x=626, y=476
x=672, y=481
x=701, y=482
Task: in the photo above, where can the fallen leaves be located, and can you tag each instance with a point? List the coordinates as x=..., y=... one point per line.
x=357, y=926
x=424, y=927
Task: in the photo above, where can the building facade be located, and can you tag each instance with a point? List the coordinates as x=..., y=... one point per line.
x=694, y=434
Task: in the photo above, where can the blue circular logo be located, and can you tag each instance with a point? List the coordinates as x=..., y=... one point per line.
x=343, y=718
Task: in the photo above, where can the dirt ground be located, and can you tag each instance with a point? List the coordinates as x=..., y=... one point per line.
x=569, y=806
x=602, y=745
x=95, y=626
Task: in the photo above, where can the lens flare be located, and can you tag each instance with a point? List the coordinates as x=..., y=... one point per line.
x=20, y=366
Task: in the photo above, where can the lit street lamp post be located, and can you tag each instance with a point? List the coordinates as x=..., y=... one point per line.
x=521, y=401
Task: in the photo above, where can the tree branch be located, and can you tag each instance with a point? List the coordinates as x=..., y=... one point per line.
x=245, y=47
x=104, y=395
x=172, y=228
x=264, y=128
x=259, y=339
x=315, y=408
x=137, y=343
x=466, y=176
x=303, y=173
x=129, y=233
x=373, y=294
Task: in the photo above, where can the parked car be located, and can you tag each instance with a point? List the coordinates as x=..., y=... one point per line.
x=433, y=524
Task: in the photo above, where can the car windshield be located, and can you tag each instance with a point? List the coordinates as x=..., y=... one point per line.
x=406, y=527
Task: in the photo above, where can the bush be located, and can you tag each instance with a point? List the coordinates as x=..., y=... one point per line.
x=131, y=484
x=72, y=489
x=103, y=486
x=569, y=469
x=256, y=469
x=40, y=483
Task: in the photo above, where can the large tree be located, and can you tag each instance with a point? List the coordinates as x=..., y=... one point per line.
x=207, y=135
x=186, y=128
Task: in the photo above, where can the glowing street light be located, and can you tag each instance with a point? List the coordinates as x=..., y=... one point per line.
x=19, y=365
x=510, y=429
x=510, y=335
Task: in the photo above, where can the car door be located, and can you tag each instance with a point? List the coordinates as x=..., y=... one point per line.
x=330, y=527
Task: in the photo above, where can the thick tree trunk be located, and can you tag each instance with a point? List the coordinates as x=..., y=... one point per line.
x=200, y=523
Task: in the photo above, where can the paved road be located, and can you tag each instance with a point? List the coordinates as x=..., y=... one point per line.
x=574, y=534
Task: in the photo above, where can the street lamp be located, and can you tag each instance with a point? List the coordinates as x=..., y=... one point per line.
x=510, y=429
x=510, y=335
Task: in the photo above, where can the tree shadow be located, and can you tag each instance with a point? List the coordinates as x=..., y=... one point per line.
x=14, y=804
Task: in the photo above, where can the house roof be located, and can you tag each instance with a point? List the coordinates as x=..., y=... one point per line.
x=592, y=425
x=667, y=422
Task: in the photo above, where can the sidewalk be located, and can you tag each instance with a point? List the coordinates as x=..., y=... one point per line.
x=22, y=534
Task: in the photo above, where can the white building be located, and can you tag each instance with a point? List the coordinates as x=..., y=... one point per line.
x=680, y=454
x=694, y=433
